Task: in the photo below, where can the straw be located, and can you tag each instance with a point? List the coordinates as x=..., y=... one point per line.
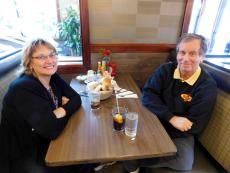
x=118, y=110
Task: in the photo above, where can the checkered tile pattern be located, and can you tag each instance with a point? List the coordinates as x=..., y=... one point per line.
x=135, y=21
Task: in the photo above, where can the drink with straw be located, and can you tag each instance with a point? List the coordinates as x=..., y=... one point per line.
x=119, y=114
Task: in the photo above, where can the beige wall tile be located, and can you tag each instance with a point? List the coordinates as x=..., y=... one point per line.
x=150, y=0
x=99, y=32
x=100, y=5
x=169, y=21
x=146, y=33
x=124, y=20
x=144, y=20
x=168, y=35
x=124, y=33
x=173, y=0
x=124, y=6
x=172, y=8
x=100, y=19
x=135, y=21
x=148, y=7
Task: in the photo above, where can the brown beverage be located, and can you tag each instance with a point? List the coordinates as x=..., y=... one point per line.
x=94, y=98
x=119, y=122
x=95, y=105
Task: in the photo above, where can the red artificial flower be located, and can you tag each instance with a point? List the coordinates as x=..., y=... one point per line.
x=106, y=52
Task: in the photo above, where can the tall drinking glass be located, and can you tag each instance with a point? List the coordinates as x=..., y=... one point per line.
x=131, y=122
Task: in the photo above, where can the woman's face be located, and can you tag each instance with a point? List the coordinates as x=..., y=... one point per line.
x=44, y=62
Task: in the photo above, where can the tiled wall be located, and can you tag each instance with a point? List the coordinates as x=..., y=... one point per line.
x=135, y=21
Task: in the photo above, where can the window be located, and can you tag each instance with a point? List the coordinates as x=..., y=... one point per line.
x=31, y=19
x=210, y=19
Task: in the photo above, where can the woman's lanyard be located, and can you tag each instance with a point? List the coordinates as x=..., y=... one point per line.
x=54, y=98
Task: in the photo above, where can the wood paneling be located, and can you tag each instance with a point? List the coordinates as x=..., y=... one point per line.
x=84, y=17
x=122, y=48
x=139, y=65
x=71, y=68
x=187, y=16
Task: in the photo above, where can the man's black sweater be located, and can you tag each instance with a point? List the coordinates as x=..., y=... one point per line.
x=166, y=97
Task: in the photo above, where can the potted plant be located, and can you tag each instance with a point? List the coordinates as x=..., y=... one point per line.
x=69, y=30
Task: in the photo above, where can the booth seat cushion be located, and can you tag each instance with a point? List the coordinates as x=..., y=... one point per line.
x=5, y=80
x=216, y=136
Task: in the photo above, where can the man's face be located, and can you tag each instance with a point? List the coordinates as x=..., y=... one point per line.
x=188, y=57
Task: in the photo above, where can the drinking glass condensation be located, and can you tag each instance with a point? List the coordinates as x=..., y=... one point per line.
x=94, y=98
x=131, y=122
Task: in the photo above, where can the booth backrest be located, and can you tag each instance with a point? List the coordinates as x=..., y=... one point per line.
x=216, y=136
x=5, y=81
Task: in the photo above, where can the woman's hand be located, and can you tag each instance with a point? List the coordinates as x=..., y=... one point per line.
x=64, y=100
x=181, y=123
x=59, y=112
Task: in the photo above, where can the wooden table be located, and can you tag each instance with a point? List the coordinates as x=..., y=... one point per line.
x=89, y=136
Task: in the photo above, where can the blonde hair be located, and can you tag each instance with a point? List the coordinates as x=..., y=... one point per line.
x=30, y=49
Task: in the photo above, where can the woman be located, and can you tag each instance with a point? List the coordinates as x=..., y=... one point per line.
x=36, y=109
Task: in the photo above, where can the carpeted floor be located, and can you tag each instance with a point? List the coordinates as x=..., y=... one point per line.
x=202, y=164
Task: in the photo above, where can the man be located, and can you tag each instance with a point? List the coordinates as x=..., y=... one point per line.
x=182, y=95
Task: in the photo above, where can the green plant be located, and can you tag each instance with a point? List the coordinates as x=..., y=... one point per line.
x=70, y=33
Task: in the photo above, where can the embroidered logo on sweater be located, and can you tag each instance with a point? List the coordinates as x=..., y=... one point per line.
x=186, y=97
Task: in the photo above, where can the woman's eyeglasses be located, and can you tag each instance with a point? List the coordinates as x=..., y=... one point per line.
x=52, y=55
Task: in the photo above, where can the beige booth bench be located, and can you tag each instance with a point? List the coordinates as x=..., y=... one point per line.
x=5, y=80
x=216, y=137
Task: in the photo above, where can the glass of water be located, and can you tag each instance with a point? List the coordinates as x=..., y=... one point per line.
x=131, y=122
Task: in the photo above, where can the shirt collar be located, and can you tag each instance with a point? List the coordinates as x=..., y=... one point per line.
x=190, y=80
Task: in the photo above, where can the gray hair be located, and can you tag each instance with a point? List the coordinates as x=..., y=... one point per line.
x=30, y=49
x=191, y=36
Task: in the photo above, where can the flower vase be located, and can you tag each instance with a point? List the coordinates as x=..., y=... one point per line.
x=106, y=59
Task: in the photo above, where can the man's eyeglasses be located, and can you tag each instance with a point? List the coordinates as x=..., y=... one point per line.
x=52, y=55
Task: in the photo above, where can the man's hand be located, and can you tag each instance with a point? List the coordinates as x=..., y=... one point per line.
x=64, y=100
x=181, y=123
